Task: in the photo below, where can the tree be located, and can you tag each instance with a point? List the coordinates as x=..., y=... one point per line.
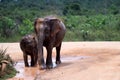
x=73, y=9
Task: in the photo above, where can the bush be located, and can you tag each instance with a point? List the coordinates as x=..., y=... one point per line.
x=79, y=28
x=7, y=27
x=26, y=27
x=6, y=66
x=92, y=28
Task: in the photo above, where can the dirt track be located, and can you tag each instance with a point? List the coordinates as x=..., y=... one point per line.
x=80, y=61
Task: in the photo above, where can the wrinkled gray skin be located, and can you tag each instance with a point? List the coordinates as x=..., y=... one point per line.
x=28, y=45
x=50, y=33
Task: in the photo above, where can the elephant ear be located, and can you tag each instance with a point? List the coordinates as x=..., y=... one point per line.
x=54, y=26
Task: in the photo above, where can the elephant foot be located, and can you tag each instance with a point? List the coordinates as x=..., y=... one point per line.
x=49, y=66
x=26, y=65
x=42, y=67
x=33, y=65
x=58, y=62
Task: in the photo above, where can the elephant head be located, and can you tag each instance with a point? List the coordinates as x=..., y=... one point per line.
x=50, y=32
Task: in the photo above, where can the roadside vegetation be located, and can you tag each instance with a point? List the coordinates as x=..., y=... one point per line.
x=7, y=69
x=94, y=20
x=93, y=28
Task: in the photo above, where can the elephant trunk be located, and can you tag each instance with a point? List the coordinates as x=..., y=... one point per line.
x=40, y=50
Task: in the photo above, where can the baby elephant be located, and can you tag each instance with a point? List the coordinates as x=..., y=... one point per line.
x=28, y=45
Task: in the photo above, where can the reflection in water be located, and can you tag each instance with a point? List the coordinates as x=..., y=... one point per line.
x=27, y=73
x=30, y=73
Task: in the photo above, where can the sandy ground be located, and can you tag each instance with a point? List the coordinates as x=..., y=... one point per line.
x=80, y=61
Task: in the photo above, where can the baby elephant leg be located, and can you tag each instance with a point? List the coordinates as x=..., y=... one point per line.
x=35, y=59
x=25, y=59
x=32, y=61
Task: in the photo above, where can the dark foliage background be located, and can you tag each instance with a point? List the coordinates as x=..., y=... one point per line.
x=86, y=20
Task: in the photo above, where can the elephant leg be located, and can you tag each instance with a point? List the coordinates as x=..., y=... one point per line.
x=41, y=61
x=49, y=63
x=25, y=60
x=32, y=60
x=35, y=59
x=58, y=61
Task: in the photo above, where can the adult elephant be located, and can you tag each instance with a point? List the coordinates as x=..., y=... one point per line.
x=50, y=33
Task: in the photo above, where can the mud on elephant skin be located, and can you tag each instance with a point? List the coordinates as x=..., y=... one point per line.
x=50, y=32
x=28, y=45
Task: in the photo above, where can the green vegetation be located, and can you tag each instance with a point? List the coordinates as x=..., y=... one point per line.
x=7, y=69
x=86, y=20
x=93, y=28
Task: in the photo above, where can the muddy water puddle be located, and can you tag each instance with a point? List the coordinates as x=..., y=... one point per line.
x=30, y=73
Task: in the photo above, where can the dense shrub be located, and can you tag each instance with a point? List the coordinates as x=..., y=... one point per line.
x=8, y=70
x=7, y=27
x=92, y=28
x=79, y=28
x=88, y=19
x=26, y=27
x=72, y=9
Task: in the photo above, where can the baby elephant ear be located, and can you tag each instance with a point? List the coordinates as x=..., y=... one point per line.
x=54, y=26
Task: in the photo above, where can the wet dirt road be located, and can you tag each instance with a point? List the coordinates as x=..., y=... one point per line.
x=80, y=61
